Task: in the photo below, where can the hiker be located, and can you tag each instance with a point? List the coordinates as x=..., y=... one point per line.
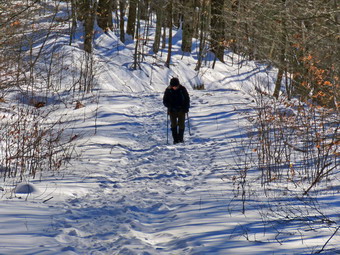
x=176, y=99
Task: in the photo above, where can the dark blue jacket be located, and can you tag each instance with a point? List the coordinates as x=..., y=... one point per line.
x=176, y=100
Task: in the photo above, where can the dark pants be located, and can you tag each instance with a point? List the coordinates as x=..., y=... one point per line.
x=177, y=120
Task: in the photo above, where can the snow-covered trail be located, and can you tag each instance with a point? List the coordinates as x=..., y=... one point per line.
x=132, y=193
x=148, y=196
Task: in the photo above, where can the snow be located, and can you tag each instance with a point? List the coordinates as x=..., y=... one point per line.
x=131, y=192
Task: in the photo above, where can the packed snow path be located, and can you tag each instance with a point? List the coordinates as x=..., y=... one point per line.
x=132, y=193
x=154, y=197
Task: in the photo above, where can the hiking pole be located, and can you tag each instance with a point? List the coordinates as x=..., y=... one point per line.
x=167, y=127
x=189, y=124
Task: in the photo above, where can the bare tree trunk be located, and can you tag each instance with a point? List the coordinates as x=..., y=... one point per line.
x=217, y=28
x=121, y=20
x=74, y=20
x=144, y=6
x=188, y=26
x=202, y=31
x=159, y=23
x=282, y=58
x=164, y=37
x=104, y=14
x=168, y=60
x=131, y=23
x=137, y=42
x=90, y=12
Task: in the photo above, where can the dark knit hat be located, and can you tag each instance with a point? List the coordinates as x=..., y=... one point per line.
x=174, y=82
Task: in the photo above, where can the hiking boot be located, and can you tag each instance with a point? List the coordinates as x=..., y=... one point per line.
x=180, y=136
x=175, y=135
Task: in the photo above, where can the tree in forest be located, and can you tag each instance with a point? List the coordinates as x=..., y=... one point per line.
x=158, y=6
x=281, y=51
x=188, y=11
x=203, y=30
x=74, y=19
x=86, y=10
x=132, y=16
x=122, y=5
x=170, y=13
x=104, y=14
x=137, y=54
x=217, y=28
x=144, y=9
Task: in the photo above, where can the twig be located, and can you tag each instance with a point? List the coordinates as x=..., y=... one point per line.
x=323, y=247
x=48, y=199
x=294, y=147
x=319, y=177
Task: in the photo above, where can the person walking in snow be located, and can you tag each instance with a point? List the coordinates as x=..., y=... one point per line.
x=176, y=99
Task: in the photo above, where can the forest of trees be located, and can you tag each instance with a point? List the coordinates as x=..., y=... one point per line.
x=300, y=38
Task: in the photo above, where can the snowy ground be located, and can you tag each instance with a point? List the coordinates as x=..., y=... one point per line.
x=132, y=193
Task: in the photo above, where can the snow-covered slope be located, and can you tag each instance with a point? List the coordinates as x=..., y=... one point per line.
x=131, y=192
